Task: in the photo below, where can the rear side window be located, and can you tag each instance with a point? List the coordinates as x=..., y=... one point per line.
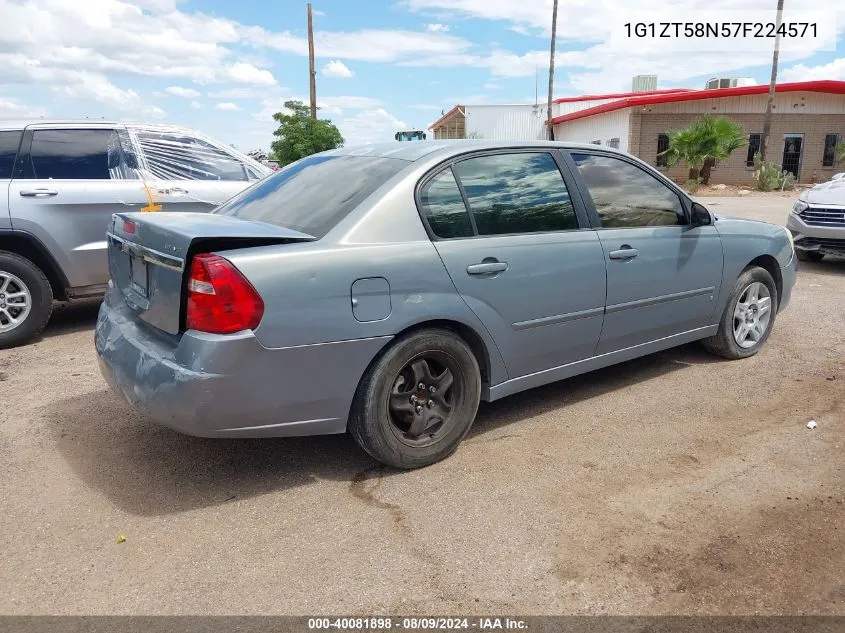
x=313, y=194
x=9, y=142
x=625, y=195
x=443, y=207
x=178, y=156
x=70, y=154
x=516, y=193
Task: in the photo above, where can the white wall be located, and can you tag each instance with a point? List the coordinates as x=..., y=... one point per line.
x=506, y=122
x=601, y=127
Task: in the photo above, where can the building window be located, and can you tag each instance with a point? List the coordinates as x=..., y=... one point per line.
x=829, y=156
x=753, y=148
x=614, y=143
x=662, y=146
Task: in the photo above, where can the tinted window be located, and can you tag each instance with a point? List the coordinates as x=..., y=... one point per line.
x=444, y=208
x=313, y=194
x=829, y=155
x=178, y=156
x=753, y=148
x=9, y=142
x=662, y=146
x=516, y=193
x=70, y=154
x=625, y=195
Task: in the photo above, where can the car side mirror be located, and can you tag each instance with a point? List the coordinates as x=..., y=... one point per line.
x=700, y=215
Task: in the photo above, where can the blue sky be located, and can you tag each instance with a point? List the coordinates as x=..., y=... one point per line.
x=224, y=67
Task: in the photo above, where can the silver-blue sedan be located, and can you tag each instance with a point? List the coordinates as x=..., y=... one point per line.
x=386, y=290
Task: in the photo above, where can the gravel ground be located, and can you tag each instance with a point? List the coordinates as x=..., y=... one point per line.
x=677, y=483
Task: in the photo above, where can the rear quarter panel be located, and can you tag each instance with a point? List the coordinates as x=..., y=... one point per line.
x=743, y=241
x=307, y=287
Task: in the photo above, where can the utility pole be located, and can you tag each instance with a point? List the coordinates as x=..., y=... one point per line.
x=552, y=74
x=312, y=73
x=767, y=118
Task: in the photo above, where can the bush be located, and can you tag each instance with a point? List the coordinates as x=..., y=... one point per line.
x=769, y=176
x=693, y=185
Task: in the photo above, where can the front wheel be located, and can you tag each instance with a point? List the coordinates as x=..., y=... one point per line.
x=26, y=300
x=748, y=317
x=418, y=400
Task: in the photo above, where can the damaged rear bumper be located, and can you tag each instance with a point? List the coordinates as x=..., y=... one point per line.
x=212, y=385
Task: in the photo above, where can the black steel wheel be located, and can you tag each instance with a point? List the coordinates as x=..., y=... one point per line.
x=417, y=400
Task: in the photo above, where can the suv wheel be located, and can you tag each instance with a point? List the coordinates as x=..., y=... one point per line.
x=418, y=400
x=26, y=300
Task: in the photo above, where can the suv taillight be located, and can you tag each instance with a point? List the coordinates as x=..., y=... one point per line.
x=220, y=299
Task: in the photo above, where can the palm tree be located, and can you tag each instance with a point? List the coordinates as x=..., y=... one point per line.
x=708, y=140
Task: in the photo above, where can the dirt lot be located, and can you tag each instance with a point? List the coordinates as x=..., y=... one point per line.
x=677, y=483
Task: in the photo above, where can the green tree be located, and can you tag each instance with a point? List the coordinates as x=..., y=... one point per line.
x=840, y=152
x=299, y=135
x=707, y=140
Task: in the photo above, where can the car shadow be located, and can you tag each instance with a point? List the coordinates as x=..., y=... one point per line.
x=75, y=316
x=149, y=470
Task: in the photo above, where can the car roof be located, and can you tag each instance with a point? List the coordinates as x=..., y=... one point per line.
x=416, y=150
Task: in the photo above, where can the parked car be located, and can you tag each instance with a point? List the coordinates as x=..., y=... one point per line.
x=429, y=276
x=62, y=182
x=817, y=221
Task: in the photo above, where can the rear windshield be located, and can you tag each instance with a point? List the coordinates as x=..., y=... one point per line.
x=313, y=194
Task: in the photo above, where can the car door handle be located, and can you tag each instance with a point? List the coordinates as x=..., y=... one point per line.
x=38, y=193
x=487, y=268
x=626, y=252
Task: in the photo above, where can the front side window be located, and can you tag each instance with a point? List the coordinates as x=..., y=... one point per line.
x=625, y=195
x=72, y=155
x=829, y=156
x=179, y=156
x=516, y=193
x=443, y=207
x=9, y=142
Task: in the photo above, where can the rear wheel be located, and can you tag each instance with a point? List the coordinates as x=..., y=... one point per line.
x=418, y=400
x=748, y=317
x=809, y=256
x=26, y=300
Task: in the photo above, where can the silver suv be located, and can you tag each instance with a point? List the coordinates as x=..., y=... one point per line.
x=817, y=221
x=65, y=179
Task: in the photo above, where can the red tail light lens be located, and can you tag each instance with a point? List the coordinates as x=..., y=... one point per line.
x=220, y=299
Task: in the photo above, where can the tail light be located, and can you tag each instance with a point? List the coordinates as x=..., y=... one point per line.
x=220, y=299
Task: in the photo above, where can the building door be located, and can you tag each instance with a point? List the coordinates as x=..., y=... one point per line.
x=792, y=145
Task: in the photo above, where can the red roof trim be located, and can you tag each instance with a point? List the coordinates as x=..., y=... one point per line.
x=825, y=86
x=445, y=116
x=620, y=95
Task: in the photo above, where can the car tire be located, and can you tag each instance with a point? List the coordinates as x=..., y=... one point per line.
x=23, y=279
x=809, y=256
x=405, y=413
x=744, y=326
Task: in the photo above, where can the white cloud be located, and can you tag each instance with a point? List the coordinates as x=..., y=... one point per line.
x=228, y=106
x=237, y=93
x=370, y=126
x=14, y=108
x=196, y=104
x=241, y=72
x=834, y=70
x=178, y=91
x=338, y=69
x=370, y=45
x=491, y=86
x=436, y=28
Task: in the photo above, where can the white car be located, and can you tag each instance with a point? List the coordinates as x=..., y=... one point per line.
x=817, y=221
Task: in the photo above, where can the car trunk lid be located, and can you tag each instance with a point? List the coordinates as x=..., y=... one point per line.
x=149, y=254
